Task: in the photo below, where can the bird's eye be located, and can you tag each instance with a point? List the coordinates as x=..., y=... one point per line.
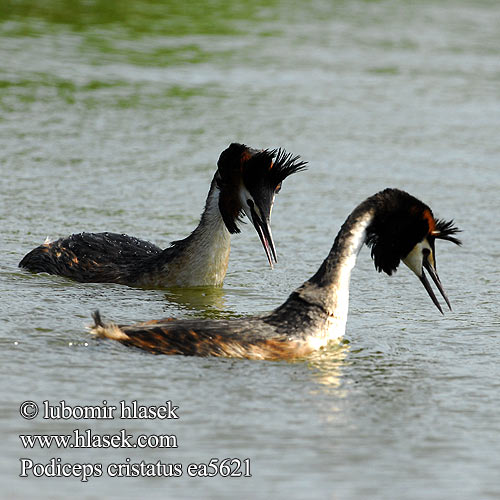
x=426, y=252
x=278, y=188
x=250, y=203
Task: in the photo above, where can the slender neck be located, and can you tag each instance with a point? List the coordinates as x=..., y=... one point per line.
x=202, y=258
x=211, y=218
x=320, y=305
x=334, y=274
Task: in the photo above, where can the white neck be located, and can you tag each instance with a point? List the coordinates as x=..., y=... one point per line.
x=204, y=260
x=325, y=296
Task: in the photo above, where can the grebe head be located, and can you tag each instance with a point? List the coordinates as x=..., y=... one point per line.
x=404, y=229
x=248, y=181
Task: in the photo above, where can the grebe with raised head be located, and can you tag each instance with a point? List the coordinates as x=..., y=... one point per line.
x=397, y=226
x=246, y=182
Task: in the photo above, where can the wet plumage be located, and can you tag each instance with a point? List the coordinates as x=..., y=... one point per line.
x=245, y=182
x=394, y=224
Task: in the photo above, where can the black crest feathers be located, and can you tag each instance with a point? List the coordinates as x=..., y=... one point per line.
x=400, y=222
x=259, y=172
x=444, y=230
x=228, y=181
x=270, y=167
x=285, y=164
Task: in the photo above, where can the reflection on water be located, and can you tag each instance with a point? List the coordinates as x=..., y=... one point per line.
x=203, y=302
x=326, y=364
x=111, y=113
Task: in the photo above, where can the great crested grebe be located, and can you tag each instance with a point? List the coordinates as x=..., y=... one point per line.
x=396, y=226
x=245, y=182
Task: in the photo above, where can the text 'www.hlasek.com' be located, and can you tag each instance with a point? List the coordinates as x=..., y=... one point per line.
x=88, y=439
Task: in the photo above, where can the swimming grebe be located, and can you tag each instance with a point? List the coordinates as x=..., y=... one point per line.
x=245, y=182
x=396, y=226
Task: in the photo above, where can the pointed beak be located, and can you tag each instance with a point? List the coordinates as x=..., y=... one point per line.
x=420, y=258
x=263, y=228
x=433, y=274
